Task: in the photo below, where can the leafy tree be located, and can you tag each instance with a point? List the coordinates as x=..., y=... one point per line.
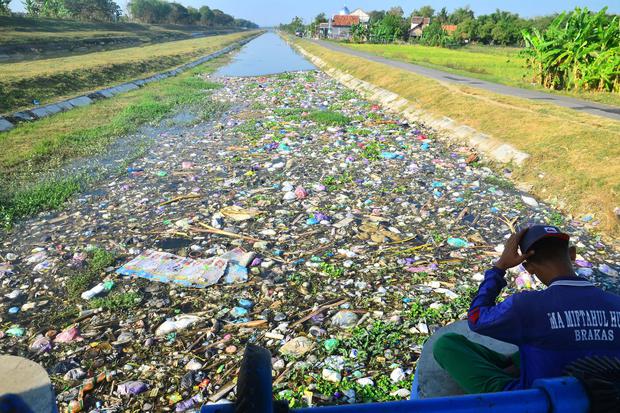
x=443, y=16
x=178, y=14
x=505, y=32
x=194, y=15
x=222, y=19
x=396, y=11
x=314, y=26
x=93, y=10
x=434, y=35
x=245, y=24
x=467, y=30
x=4, y=7
x=424, y=11
x=360, y=32
x=149, y=11
x=461, y=14
x=46, y=8
x=207, y=16
x=376, y=15
x=389, y=29
x=296, y=25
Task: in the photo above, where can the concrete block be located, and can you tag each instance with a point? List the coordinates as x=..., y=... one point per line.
x=432, y=380
x=108, y=93
x=480, y=139
x=65, y=105
x=28, y=380
x=520, y=157
x=504, y=153
x=464, y=131
x=5, y=125
x=126, y=87
x=47, y=110
x=81, y=101
x=23, y=116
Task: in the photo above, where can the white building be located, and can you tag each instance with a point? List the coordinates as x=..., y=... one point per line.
x=364, y=17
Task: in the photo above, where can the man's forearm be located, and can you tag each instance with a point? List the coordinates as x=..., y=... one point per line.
x=488, y=292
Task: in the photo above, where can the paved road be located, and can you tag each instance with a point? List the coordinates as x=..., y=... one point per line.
x=568, y=102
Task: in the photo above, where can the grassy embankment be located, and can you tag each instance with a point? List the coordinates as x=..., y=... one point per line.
x=574, y=156
x=31, y=149
x=16, y=30
x=495, y=64
x=49, y=80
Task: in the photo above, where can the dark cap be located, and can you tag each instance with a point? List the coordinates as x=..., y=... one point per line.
x=537, y=232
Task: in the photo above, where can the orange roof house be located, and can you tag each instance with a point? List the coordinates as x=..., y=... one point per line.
x=450, y=28
x=345, y=20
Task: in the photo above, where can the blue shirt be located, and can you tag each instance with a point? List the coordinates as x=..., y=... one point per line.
x=569, y=320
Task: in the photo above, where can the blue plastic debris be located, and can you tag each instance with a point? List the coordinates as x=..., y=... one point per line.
x=457, y=242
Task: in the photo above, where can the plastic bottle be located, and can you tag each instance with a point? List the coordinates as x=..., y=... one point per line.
x=97, y=289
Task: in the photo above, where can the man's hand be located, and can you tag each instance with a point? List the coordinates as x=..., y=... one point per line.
x=511, y=257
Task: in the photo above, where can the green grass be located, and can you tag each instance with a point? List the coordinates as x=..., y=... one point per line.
x=80, y=281
x=117, y=301
x=495, y=64
x=51, y=79
x=329, y=118
x=498, y=182
x=34, y=148
x=576, y=152
x=39, y=197
x=332, y=270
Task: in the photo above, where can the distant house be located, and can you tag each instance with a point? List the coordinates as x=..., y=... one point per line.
x=364, y=17
x=418, y=24
x=450, y=28
x=339, y=26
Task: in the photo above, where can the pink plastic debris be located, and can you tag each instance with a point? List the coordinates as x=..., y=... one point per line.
x=301, y=193
x=68, y=335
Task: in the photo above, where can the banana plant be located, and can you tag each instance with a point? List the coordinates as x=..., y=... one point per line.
x=579, y=50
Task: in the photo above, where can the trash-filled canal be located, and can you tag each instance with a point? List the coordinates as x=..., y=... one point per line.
x=300, y=217
x=265, y=55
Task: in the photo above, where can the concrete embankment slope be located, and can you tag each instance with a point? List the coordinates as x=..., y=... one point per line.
x=570, y=159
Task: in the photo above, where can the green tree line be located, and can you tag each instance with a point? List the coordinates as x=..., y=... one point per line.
x=143, y=11
x=502, y=28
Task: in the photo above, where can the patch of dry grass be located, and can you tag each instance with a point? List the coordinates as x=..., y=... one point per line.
x=577, y=154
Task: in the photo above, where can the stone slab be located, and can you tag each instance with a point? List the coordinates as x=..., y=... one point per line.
x=5, y=125
x=48, y=110
x=432, y=380
x=65, y=105
x=28, y=380
x=107, y=92
x=24, y=116
x=81, y=101
x=126, y=87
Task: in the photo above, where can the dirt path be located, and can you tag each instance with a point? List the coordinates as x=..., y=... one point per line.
x=376, y=224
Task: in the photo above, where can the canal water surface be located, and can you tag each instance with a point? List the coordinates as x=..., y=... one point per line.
x=266, y=55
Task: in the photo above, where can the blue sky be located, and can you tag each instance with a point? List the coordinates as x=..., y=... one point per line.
x=272, y=12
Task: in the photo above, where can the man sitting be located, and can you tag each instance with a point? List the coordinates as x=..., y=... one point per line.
x=569, y=320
